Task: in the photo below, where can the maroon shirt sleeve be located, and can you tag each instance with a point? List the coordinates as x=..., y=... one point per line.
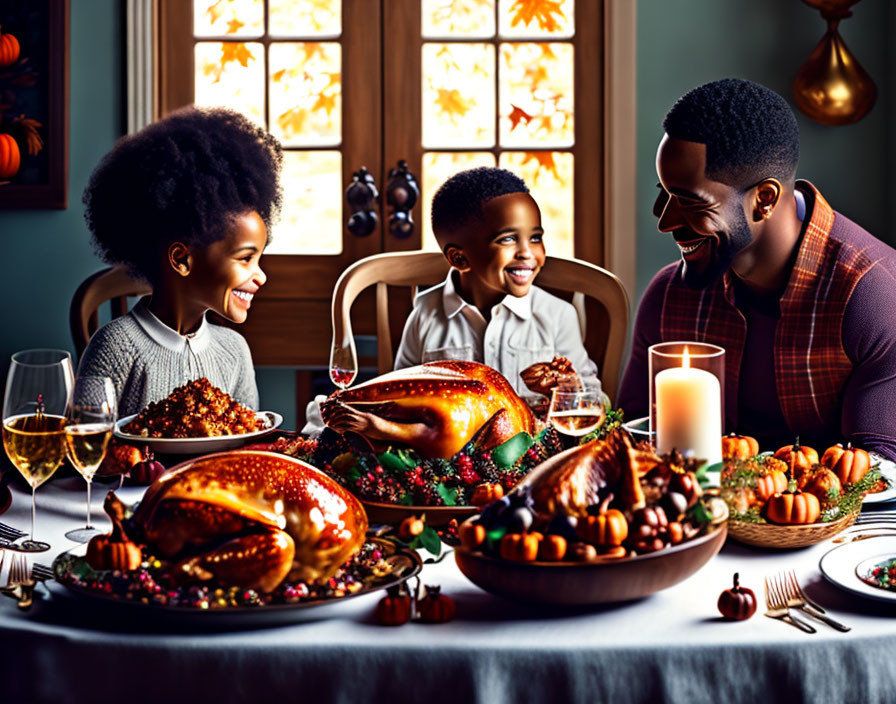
x=869, y=323
x=634, y=391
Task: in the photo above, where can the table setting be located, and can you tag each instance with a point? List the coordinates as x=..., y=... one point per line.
x=537, y=588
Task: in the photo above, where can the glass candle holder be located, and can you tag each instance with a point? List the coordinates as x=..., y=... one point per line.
x=687, y=394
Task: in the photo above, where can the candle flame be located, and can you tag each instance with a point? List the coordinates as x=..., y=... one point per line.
x=685, y=359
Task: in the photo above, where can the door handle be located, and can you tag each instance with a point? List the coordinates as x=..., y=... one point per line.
x=401, y=196
x=362, y=198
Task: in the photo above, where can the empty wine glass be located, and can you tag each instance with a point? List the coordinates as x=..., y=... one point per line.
x=91, y=420
x=577, y=411
x=38, y=391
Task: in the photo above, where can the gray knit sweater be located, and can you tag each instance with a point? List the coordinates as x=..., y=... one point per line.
x=146, y=359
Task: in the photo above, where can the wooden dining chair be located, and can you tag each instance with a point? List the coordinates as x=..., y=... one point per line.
x=597, y=294
x=112, y=285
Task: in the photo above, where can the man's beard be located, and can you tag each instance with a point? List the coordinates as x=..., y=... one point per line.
x=720, y=260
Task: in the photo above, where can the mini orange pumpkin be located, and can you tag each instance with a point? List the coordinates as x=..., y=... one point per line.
x=435, y=607
x=608, y=528
x=799, y=458
x=849, y=463
x=394, y=609
x=472, y=535
x=105, y=552
x=485, y=494
x=770, y=484
x=10, y=157
x=793, y=507
x=9, y=49
x=552, y=548
x=411, y=527
x=739, y=447
x=520, y=547
x=824, y=483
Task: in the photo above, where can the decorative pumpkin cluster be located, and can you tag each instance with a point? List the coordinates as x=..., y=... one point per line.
x=195, y=410
x=665, y=508
x=793, y=486
x=473, y=477
x=398, y=606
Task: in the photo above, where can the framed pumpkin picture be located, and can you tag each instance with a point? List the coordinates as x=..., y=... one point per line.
x=34, y=103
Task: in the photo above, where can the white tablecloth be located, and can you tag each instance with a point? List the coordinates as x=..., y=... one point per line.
x=671, y=646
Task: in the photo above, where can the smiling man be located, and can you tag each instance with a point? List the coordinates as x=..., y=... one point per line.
x=488, y=310
x=801, y=298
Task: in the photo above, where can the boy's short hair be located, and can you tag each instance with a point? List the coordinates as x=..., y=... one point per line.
x=749, y=131
x=462, y=196
x=184, y=178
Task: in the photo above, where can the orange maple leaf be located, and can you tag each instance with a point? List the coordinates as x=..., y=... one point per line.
x=235, y=51
x=234, y=26
x=292, y=122
x=542, y=11
x=215, y=11
x=277, y=76
x=518, y=115
x=325, y=102
x=312, y=48
x=545, y=161
x=452, y=102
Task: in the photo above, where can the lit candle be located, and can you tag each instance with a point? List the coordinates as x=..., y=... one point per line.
x=689, y=412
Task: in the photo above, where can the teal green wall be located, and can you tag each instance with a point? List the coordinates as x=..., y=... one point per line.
x=47, y=252
x=683, y=43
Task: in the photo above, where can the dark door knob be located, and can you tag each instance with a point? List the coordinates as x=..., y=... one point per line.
x=362, y=198
x=401, y=195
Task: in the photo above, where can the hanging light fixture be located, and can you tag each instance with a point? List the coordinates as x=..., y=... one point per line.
x=832, y=87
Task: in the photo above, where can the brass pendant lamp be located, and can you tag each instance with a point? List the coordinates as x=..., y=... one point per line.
x=832, y=87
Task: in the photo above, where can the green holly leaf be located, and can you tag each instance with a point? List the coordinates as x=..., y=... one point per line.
x=430, y=541
x=703, y=473
x=700, y=513
x=449, y=496
x=391, y=463
x=507, y=454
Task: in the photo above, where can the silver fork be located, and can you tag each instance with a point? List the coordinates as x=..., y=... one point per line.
x=41, y=573
x=10, y=533
x=796, y=599
x=19, y=583
x=777, y=608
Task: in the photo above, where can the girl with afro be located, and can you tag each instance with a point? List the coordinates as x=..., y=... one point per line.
x=186, y=204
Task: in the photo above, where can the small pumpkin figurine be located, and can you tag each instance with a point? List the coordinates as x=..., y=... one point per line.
x=770, y=484
x=608, y=528
x=114, y=551
x=411, y=527
x=394, y=609
x=147, y=470
x=521, y=547
x=435, y=607
x=485, y=494
x=793, y=507
x=737, y=603
x=472, y=534
x=824, y=483
x=799, y=458
x=10, y=156
x=9, y=49
x=739, y=447
x=552, y=548
x=849, y=463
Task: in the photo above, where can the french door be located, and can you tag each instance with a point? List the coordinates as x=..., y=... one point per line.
x=442, y=84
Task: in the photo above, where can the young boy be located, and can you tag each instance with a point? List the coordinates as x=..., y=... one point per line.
x=488, y=309
x=185, y=204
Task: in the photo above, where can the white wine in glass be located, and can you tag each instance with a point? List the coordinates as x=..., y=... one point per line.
x=91, y=420
x=38, y=391
x=577, y=412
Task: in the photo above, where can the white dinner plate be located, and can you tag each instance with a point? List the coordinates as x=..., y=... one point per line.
x=840, y=566
x=195, y=446
x=888, y=471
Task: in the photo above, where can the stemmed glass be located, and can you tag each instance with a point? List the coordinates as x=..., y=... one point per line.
x=38, y=391
x=577, y=411
x=343, y=363
x=91, y=420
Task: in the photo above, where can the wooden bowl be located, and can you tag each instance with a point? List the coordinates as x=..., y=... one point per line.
x=436, y=516
x=771, y=535
x=587, y=583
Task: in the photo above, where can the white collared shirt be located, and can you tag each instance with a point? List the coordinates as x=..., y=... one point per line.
x=522, y=330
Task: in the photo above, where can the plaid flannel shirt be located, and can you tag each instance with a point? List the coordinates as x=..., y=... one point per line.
x=811, y=366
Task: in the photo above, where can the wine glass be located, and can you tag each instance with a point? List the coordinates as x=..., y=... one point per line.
x=343, y=363
x=38, y=391
x=577, y=411
x=91, y=420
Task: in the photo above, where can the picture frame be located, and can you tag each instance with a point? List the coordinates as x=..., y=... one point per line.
x=36, y=87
